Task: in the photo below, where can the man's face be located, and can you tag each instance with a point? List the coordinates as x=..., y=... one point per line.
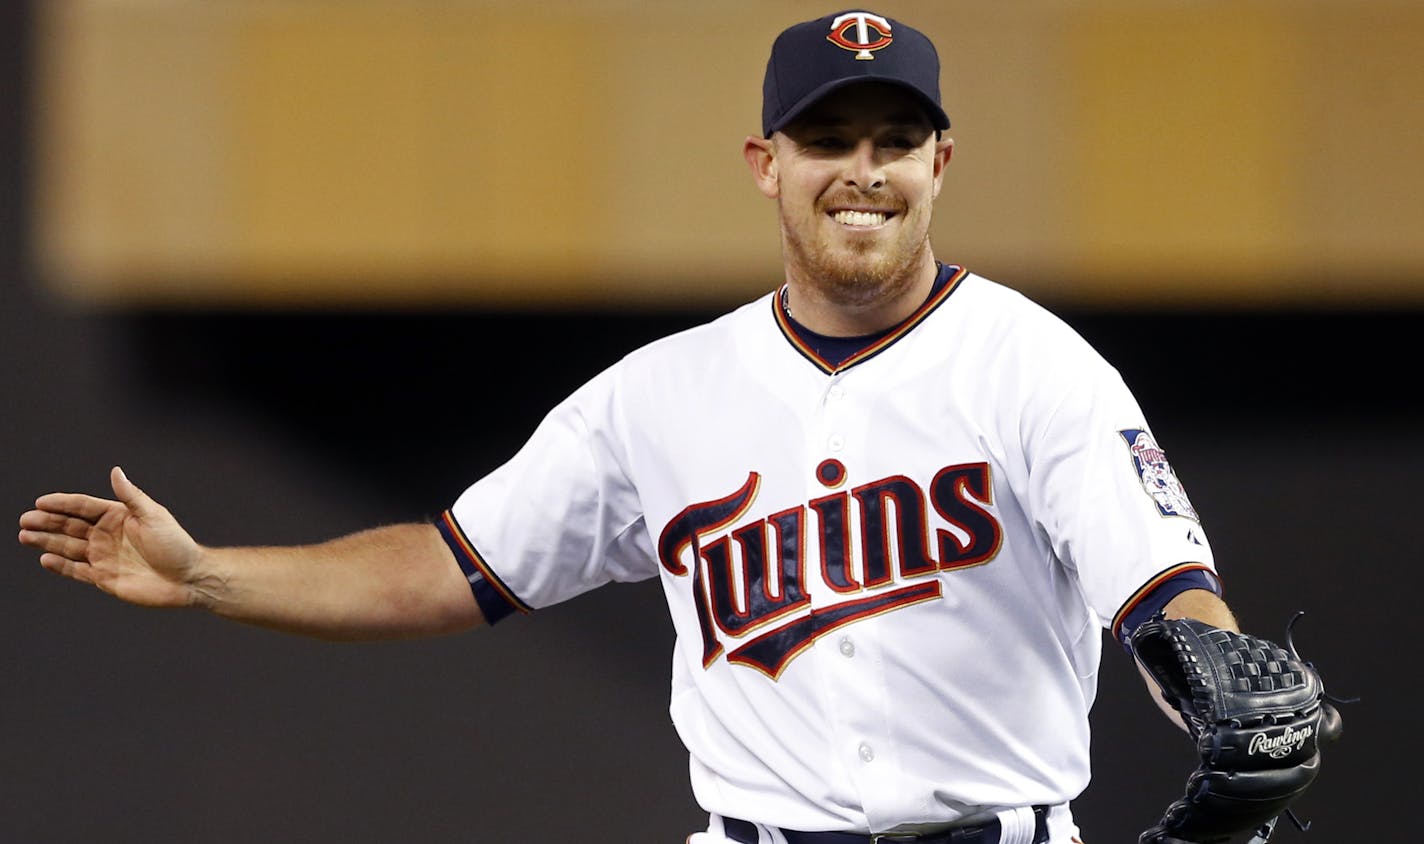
x=855, y=178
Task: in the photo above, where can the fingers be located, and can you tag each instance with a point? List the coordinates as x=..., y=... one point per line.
x=91, y=508
x=62, y=541
x=47, y=522
x=85, y=507
x=60, y=544
x=72, y=569
x=62, y=525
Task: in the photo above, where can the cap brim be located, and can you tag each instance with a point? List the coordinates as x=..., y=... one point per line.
x=937, y=117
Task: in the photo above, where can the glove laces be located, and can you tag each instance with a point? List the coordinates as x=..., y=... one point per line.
x=1263, y=833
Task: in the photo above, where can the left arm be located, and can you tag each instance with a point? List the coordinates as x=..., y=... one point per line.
x=1256, y=712
x=1201, y=605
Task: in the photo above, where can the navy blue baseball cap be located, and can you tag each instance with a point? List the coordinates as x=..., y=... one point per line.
x=812, y=59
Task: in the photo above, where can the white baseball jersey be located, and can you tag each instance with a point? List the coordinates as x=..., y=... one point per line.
x=889, y=580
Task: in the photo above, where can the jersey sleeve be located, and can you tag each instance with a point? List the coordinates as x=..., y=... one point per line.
x=1103, y=492
x=1152, y=597
x=558, y=519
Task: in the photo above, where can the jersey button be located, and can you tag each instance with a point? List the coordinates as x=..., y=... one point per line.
x=867, y=753
x=847, y=646
x=836, y=442
x=835, y=392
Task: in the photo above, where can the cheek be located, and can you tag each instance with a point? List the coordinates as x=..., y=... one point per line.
x=804, y=185
x=916, y=182
x=921, y=194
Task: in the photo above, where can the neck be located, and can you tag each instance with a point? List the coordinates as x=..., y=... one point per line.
x=818, y=307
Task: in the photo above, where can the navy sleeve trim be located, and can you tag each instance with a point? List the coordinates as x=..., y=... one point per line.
x=1158, y=592
x=496, y=600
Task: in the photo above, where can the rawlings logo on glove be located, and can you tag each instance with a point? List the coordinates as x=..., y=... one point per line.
x=1281, y=746
x=1259, y=715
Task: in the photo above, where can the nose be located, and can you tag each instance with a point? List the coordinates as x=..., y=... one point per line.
x=863, y=168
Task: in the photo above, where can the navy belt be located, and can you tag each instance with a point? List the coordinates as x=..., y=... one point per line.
x=985, y=833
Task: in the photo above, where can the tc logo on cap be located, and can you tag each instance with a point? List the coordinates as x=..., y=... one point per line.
x=853, y=31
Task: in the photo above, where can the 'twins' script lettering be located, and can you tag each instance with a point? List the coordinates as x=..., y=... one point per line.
x=751, y=574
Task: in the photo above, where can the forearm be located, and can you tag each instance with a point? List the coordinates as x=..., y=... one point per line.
x=1202, y=606
x=393, y=582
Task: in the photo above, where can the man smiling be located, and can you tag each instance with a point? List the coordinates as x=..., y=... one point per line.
x=855, y=177
x=892, y=504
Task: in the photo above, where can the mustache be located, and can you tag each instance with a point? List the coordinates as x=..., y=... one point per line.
x=850, y=198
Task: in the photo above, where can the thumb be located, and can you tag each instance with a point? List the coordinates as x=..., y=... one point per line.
x=134, y=498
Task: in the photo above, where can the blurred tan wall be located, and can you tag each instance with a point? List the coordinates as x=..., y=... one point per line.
x=379, y=152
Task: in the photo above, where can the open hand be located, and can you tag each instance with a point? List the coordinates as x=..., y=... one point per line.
x=132, y=548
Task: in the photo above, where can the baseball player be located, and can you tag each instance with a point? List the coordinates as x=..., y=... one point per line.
x=892, y=505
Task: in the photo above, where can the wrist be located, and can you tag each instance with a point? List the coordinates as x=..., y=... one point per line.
x=206, y=584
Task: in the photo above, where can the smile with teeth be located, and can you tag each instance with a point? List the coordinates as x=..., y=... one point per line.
x=861, y=218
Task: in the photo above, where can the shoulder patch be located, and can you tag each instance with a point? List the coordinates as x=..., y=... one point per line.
x=1158, y=479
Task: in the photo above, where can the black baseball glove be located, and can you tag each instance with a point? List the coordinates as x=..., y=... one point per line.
x=1259, y=716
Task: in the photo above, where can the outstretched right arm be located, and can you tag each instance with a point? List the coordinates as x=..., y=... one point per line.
x=394, y=582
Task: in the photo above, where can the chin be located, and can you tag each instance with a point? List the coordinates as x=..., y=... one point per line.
x=862, y=276
x=861, y=285
x=855, y=273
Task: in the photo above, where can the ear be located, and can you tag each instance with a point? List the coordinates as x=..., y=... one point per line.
x=944, y=148
x=761, y=158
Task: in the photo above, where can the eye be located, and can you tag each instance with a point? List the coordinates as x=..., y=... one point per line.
x=900, y=142
x=828, y=143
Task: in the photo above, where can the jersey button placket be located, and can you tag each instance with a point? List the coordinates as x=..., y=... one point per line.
x=842, y=672
x=825, y=441
x=865, y=724
x=830, y=403
x=849, y=662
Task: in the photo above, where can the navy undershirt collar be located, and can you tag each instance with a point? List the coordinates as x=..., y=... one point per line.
x=837, y=350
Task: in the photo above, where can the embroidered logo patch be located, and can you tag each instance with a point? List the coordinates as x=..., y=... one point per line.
x=1157, y=476
x=862, y=33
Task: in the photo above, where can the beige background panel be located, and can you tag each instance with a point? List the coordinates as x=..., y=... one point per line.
x=1185, y=145
x=1003, y=209
x=682, y=92
x=1362, y=127
x=130, y=132
x=398, y=139
x=331, y=152
x=321, y=153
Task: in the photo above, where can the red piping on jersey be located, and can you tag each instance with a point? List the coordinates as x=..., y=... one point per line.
x=789, y=331
x=1142, y=593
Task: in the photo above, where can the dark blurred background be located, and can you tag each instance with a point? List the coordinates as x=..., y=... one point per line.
x=1294, y=424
